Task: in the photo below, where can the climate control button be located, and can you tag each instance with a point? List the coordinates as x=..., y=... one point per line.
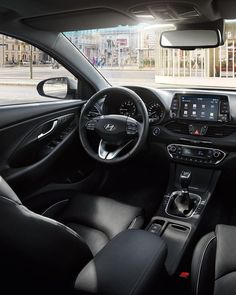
x=216, y=154
x=172, y=148
x=195, y=154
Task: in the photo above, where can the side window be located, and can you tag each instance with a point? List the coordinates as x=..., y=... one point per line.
x=24, y=69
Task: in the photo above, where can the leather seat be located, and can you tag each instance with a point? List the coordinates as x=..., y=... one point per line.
x=46, y=253
x=214, y=263
x=95, y=218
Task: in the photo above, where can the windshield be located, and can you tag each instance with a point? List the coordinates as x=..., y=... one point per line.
x=132, y=55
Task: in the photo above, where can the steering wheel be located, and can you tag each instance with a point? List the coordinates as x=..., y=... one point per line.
x=120, y=136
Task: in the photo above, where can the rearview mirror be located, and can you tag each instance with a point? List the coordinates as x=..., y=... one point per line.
x=61, y=88
x=190, y=39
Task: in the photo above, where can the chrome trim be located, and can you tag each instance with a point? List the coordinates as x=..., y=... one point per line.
x=196, y=147
x=109, y=127
x=106, y=155
x=179, y=192
x=54, y=125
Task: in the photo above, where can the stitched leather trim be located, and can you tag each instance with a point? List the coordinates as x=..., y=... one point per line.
x=226, y=274
x=201, y=262
x=10, y=200
x=53, y=205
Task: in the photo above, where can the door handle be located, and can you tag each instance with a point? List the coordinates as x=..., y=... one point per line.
x=54, y=125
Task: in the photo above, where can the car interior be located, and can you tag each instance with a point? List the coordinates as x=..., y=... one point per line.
x=97, y=195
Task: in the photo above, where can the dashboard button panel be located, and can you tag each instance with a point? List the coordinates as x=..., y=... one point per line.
x=196, y=154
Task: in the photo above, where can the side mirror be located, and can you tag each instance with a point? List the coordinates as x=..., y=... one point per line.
x=61, y=88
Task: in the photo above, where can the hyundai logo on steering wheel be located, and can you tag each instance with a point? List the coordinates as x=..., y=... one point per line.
x=109, y=127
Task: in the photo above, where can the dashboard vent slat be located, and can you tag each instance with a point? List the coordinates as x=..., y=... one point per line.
x=213, y=131
x=220, y=131
x=178, y=127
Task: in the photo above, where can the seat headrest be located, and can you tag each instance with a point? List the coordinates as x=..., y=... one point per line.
x=7, y=193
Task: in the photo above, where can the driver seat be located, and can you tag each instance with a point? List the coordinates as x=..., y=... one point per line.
x=41, y=251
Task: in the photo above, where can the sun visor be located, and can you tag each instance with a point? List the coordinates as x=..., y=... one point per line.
x=80, y=20
x=227, y=8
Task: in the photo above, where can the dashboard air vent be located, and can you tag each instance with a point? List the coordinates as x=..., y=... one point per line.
x=220, y=131
x=178, y=127
x=212, y=131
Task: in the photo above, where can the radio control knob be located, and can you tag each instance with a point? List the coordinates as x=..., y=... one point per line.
x=216, y=154
x=172, y=149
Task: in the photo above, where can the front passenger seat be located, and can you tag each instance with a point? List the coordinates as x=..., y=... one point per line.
x=214, y=263
x=39, y=251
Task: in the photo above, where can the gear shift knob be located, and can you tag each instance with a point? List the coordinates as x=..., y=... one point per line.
x=185, y=179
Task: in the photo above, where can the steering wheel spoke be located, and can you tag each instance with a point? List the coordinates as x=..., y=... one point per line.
x=104, y=154
x=91, y=124
x=133, y=127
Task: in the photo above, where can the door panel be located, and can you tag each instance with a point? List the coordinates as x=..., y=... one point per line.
x=31, y=141
x=15, y=114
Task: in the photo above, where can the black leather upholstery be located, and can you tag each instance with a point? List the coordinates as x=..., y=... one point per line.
x=203, y=265
x=97, y=219
x=214, y=263
x=47, y=252
x=39, y=251
x=130, y=264
x=7, y=193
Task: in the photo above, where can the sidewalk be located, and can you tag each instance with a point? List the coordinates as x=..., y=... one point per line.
x=147, y=77
x=126, y=68
x=19, y=82
x=210, y=82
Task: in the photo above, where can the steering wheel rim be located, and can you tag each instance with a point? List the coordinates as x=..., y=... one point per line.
x=142, y=128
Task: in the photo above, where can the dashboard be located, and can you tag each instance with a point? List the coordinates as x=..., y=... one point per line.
x=193, y=126
x=125, y=106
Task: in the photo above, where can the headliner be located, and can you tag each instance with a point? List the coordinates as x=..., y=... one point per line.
x=58, y=15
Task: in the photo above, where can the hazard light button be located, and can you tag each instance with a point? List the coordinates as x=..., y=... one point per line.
x=197, y=130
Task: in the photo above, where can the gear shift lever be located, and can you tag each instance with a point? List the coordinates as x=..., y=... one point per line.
x=185, y=179
x=183, y=202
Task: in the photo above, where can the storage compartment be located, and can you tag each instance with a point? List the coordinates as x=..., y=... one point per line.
x=131, y=263
x=176, y=237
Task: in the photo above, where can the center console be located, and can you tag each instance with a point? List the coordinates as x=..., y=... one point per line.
x=200, y=117
x=197, y=137
x=182, y=208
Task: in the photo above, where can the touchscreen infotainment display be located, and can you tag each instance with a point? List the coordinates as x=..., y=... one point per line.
x=199, y=108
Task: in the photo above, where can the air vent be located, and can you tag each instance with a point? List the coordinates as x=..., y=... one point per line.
x=220, y=131
x=213, y=131
x=178, y=127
